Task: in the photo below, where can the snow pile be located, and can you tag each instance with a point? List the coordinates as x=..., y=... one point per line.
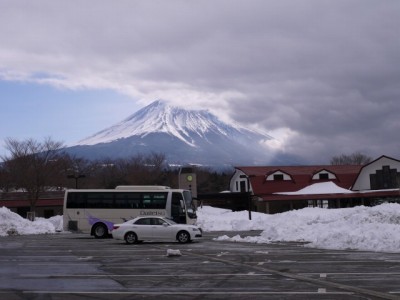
x=320, y=188
x=173, y=252
x=13, y=224
x=218, y=219
x=362, y=228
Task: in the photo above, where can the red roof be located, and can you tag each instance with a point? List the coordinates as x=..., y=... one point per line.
x=301, y=175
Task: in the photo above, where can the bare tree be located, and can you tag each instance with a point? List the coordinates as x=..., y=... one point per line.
x=156, y=167
x=78, y=171
x=5, y=182
x=356, y=158
x=33, y=166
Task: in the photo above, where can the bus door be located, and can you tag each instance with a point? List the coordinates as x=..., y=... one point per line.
x=177, y=211
x=75, y=205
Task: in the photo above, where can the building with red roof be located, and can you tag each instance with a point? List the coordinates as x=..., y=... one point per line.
x=49, y=204
x=276, y=189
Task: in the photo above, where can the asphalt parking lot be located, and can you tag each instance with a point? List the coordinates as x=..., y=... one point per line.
x=76, y=266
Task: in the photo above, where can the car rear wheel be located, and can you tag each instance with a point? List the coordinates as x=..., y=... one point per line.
x=130, y=238
x=100, y=231
x=183, y=237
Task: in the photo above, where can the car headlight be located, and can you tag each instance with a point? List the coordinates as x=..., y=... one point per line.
x=195, y=229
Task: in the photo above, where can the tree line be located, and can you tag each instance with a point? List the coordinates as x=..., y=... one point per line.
x=36, y=167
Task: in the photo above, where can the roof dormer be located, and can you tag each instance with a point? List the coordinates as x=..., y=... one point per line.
x=278, y=175
x=323, y=175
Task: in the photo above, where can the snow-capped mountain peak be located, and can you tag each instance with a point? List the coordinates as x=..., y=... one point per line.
x=184, y=136
x=160, y=117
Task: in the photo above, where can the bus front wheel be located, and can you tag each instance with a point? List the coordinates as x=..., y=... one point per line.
x=100, y=231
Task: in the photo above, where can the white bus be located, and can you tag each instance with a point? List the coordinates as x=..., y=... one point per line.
x=95, y=211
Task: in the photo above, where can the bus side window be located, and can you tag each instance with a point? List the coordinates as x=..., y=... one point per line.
x=127, y=200
x=76, y=200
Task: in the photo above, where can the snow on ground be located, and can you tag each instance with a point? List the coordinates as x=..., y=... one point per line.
x=320, y=188
x=12, y=224
x=360, y=228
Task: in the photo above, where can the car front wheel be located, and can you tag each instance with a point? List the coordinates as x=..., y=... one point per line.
x=183, y=237
x=130, y=238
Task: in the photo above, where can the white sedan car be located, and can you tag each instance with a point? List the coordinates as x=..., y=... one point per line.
x=155, y=228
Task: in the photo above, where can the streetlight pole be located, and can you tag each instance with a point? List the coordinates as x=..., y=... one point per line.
x=76, y=177
x=247, y=190
x=249, y=193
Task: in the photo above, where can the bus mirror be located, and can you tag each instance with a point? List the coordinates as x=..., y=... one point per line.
x=182, y=204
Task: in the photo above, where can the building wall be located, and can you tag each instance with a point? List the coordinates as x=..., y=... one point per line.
x=273, y=207
x=363, y=181
x=239, y=182
x=42, y=212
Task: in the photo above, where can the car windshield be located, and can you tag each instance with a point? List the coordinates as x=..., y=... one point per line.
x=170, y=221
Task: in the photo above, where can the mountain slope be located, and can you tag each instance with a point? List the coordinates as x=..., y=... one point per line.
x=184, y=136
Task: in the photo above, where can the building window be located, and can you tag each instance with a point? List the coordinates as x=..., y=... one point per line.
x=278, y=177
x=323, y=176
x=386, y=178
x=243, y=187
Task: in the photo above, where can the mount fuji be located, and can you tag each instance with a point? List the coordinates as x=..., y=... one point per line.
x=184, y=136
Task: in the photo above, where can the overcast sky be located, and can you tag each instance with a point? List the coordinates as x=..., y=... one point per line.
x=322, y=77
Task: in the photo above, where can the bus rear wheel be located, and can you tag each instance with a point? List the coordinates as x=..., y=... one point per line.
x=100, y=231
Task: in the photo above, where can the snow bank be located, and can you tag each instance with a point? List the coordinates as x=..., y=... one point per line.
x=13, y=224
x=362, y=228
x=218, y=219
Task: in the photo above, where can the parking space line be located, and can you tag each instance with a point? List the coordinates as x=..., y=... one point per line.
x=318, y=261
x=185, y=292
x=86, y=263
x=250, y=274
x=353, y=273
x=93, y=271
x=300, y=277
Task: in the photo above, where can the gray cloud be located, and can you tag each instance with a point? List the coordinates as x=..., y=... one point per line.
x=325, y=71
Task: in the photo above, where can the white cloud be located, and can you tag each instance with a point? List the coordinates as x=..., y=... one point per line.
x=321, y=69
x=282, y=136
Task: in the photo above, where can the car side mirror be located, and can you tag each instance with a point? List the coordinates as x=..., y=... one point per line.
x=165, y=224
